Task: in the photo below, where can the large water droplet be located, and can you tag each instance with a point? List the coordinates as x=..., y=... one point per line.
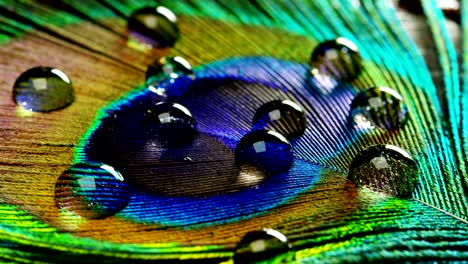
x=264, y=150
x=261, y=245
x=43, y=89
x=155, y=27
x=283, y=116
x=385, y=168
x=338, y=58
x=379, y=106
x=169, y=123
x=92, y=190
x=167, y=70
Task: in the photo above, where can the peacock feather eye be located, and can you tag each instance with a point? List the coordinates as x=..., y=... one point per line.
x=203, y=131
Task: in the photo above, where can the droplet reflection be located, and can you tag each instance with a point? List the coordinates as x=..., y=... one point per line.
x=169, y=124
x=92, y=190
x=339, y=58
x=379, y=106
x=155, y=27
x=43, y=89
x=166, y=71
x=385, y=168
x=283, y=116
x=264, y=151
x=262, y=245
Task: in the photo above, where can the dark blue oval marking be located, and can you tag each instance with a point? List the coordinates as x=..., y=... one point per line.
x=120, y=121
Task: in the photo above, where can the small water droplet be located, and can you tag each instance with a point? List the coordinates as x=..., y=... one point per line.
x=385, y=168
x=339, y=58
x=169, y=123
x=92, y=190
x=168, y=70
x=379, y=106
x=261, y=245
x=43, y=89
x=156, y=27
x=266, y=150
x=283, y=116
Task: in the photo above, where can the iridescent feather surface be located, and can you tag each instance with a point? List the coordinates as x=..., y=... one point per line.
x=379, y=178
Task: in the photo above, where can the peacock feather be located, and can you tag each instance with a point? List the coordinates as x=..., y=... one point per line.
x=245, y=54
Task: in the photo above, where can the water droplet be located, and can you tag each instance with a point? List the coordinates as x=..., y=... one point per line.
x=339, y=58
x=43, y=89
x=169, y=123
x=266, y=150
x=261, y=245
x=385, y=168
x=283, y=116
x=168, y=70
x=156, y=27
x=379, y=106
x=92, y=190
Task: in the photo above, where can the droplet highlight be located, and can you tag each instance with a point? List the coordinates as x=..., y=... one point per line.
x=261, y=245
x=283, y=116
x=339, y=58
x=380, y=107
x=166, y=71
x=264, y=150
x=154, y=26
x=92, y=190
x=169, y=124
x=385, y=168
x=324, y=83
x=43, y=89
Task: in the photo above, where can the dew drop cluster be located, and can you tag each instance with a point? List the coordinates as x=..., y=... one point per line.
x=94, y=189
